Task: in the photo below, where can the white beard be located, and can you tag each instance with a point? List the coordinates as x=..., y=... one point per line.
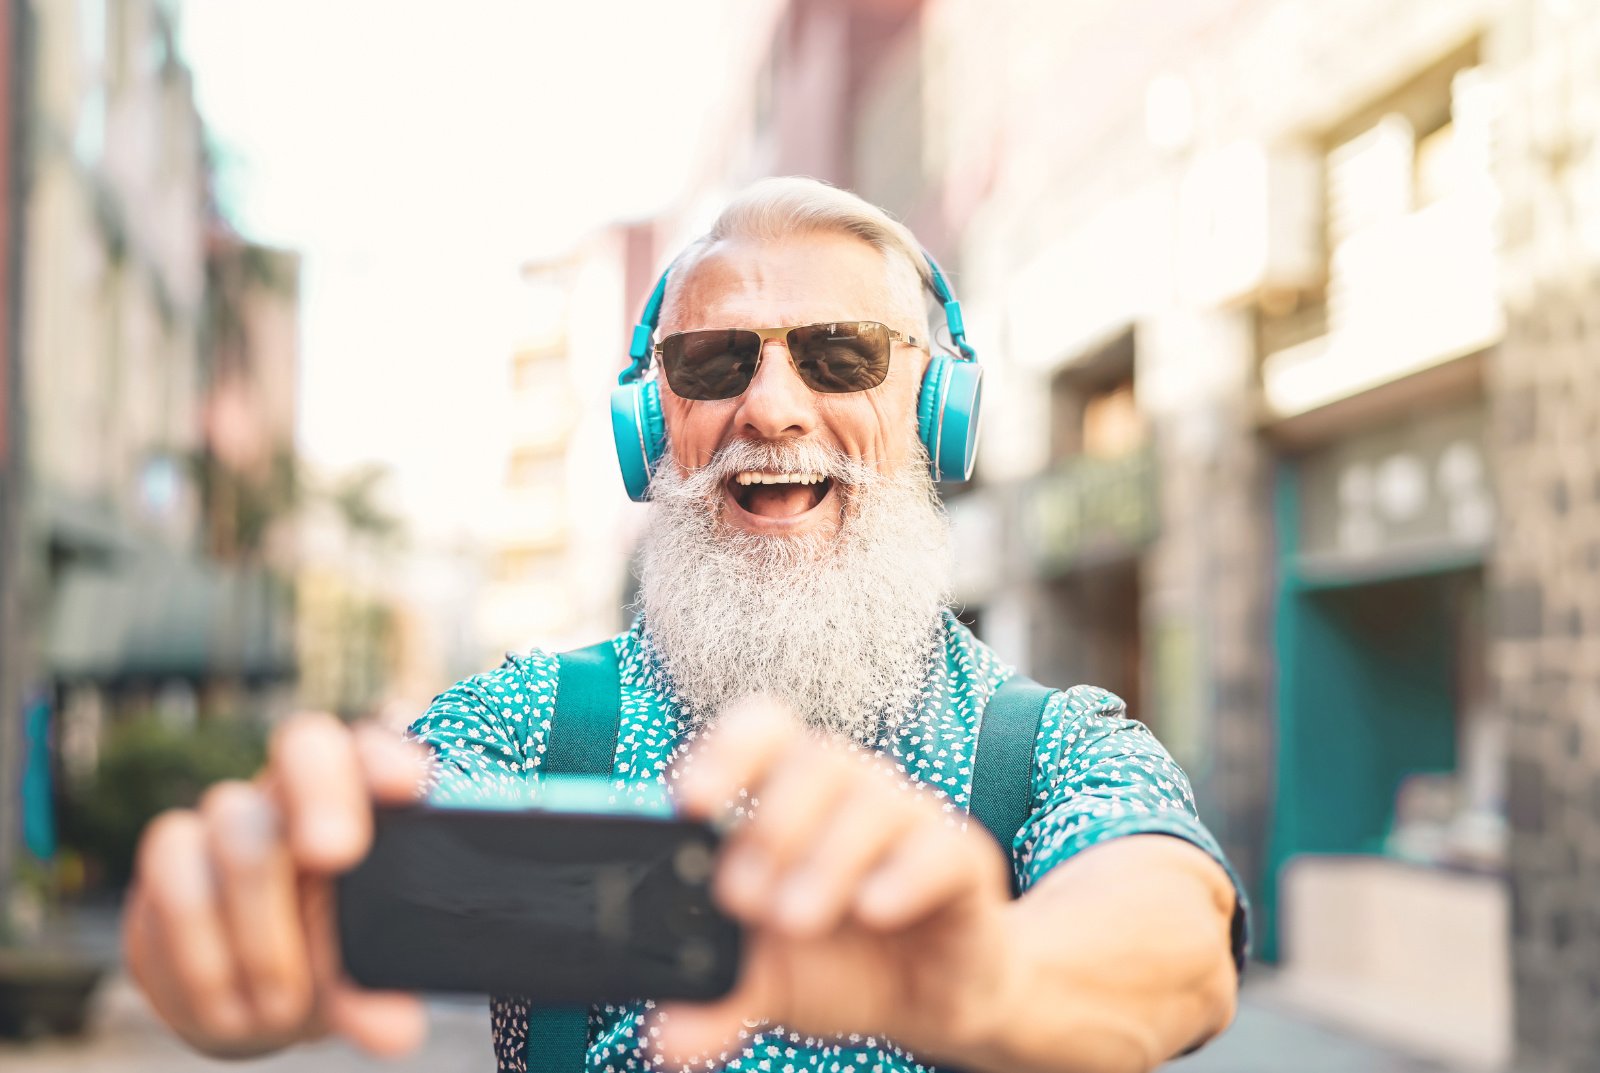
x=841, y=627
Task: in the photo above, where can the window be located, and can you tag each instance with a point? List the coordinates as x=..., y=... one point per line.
x=525, y=564
x=540, y=370
x=1093, y=407
x=532, y=468
x=1112, y=426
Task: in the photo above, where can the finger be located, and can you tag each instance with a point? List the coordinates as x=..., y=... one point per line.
x=396, y=769
x=185, y=932
x=687, y=1034
x=134, y=936
x=383, y=1023
x=321, y=787
x=796, y=800
x=684, y=1032
x=747, y=739
x=156, y=979
x=256, y=881
x=934, y=868
x=859, y=837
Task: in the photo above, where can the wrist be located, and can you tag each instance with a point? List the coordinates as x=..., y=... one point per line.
x=973, y=1030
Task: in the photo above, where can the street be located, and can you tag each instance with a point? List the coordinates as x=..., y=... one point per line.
x=128, y=1039
x=1265, y=1039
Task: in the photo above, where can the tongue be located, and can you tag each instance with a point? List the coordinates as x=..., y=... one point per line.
x=780, y=500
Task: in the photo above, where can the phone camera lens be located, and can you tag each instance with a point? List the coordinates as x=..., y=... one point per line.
x=696, y=958
x=692, y=863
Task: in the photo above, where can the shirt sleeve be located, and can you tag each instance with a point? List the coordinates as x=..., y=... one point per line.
x=487, y=733
x=1099, y=775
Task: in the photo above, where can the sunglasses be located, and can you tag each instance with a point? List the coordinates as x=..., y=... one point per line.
x=834, y=357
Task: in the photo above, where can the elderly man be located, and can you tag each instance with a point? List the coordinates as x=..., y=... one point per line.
x=796, y=552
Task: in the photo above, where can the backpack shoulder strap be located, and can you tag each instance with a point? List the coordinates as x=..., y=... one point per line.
x=1002, y=773
x=581, y=740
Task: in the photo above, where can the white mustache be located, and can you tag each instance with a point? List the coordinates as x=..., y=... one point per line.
x=737, y=456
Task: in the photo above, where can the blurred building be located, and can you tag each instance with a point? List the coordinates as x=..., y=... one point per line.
x=158, y=354
x=560, y=535
x=13, y=32
x=345, y=611
x=1289, y=322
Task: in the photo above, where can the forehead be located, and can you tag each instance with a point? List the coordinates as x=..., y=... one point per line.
x=799, y=279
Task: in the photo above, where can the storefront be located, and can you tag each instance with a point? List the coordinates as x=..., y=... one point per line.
x=1087, y=521
x=1388, y=906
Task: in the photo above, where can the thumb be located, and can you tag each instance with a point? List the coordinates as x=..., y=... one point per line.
x=686, y=1033
x=383, y=1023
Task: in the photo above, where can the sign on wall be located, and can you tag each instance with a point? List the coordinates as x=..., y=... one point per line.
x=1419, y=490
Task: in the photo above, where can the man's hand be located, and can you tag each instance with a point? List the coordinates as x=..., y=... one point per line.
x=869, y=908
x=228, y=927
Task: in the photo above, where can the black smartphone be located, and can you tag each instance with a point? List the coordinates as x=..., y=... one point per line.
x=563, y=908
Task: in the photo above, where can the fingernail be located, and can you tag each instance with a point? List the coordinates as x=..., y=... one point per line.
x=878, y=897
x=800, y=901
x=253, y=828
x=746, y=876
x=327, y=836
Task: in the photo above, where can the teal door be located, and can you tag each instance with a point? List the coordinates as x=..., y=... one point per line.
x=1366, y=695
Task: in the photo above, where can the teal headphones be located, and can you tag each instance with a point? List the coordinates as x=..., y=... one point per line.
x=947, y=406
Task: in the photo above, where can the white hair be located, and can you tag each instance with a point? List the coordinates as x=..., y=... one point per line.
x=773, y=209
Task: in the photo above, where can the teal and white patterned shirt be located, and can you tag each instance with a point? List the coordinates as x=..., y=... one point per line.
x=1097, y=775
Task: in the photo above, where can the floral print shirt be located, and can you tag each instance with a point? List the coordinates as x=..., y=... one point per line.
x=1097, y=775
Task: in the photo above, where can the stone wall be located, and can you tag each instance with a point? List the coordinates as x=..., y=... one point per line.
x=1544, y=394
x=1209, y=578
x=1545, y=406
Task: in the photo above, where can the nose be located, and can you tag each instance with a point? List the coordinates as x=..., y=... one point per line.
x=777, y=405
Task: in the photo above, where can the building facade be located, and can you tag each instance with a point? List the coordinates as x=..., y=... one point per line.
x=159, y=355
x=13, y=31
x=561, y=534
x=1288, y=320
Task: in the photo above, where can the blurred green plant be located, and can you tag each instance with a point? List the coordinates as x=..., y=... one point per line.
x=146, y=766
x=358, y=499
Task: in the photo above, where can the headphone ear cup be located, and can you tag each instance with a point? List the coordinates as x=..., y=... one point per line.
x=928, y=407
x=640, y=434
x=947, y=416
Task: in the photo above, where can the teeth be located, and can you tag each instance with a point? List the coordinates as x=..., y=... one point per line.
x=751, y=476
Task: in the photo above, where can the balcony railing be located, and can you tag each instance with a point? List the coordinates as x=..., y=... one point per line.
x=1087, y=511
x=1404, y=296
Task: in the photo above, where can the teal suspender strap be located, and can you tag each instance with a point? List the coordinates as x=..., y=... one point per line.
x=583, y=734
x=1002, y=773
x=582, y=740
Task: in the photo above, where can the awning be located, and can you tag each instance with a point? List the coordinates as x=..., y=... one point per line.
x=157, y=614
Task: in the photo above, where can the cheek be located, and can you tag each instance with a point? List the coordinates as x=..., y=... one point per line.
x=694, y=429
x=879, y=425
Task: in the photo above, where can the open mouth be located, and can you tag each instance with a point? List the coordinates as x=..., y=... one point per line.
x=778, y=495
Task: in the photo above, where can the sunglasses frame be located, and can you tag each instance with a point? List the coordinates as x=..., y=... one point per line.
x=781, y=335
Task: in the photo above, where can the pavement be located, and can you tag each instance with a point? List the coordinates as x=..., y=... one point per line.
x=1266, y=1038
x=1269, y=1036
x=126, y=1038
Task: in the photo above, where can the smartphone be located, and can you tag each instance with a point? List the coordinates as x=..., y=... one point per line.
x=565, y=908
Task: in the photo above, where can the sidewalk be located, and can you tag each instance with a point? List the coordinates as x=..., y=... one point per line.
x=1264, y=1039
x=127, y=1039
x=1268, y=1037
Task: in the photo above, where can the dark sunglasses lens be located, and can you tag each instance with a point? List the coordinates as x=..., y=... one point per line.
x=851, y=356
x=717, y=363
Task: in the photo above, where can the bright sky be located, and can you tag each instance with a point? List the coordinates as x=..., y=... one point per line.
x=417, y=153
